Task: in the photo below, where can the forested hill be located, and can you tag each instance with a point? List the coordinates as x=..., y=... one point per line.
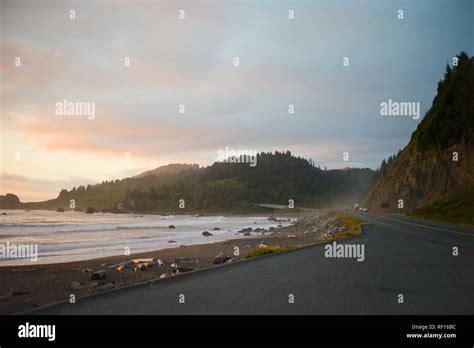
x=434, y=173
x=173, y=168
x=222, y=187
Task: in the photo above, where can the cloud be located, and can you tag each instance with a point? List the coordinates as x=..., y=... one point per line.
x=30, y=190
x=189, y=62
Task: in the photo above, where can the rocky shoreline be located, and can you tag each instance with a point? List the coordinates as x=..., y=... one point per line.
x=27, y=287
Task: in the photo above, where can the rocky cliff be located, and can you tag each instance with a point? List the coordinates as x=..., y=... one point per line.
x=438, y=161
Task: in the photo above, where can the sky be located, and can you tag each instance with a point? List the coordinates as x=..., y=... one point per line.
x=190, y=61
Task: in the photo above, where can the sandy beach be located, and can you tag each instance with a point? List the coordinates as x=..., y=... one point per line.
x=38, y=285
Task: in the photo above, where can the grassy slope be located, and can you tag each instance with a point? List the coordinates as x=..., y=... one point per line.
x=423, y=172
x=457, y=208
x=352, y=223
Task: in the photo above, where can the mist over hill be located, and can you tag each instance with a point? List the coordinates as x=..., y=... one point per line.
x=434, y=173
x=222, y=187
x=172, y=168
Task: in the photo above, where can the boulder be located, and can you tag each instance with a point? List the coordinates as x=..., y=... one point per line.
x=98, y=275
x=140, y=267
x=207, y=234
x=171, y=226
x=220, y=258
x=90, y=210
x=216, y=229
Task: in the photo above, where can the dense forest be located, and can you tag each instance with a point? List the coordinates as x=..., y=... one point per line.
x=434, y=172
x=221, y=187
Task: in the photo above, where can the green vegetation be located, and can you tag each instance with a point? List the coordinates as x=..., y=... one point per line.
x=450, y=118
x=220, y=188
x=351, y=223
x=269, y=250
x=425, y=174
x=456, y=208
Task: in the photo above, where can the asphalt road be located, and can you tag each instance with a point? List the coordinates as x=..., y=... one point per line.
x=403, y=255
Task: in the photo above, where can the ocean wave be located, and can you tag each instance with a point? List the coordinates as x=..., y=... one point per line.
x=36, y=224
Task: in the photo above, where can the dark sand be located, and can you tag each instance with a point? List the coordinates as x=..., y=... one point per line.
x=27, y=287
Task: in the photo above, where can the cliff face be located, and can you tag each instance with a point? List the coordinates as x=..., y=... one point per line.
x=421, y=178
x=439, y=159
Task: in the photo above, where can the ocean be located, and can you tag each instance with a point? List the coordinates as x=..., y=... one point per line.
x=75, y=236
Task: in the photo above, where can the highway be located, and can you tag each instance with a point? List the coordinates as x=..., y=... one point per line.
x=403, y=256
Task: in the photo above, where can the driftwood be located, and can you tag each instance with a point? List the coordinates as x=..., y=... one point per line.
x=142, y=260
x=125, y=263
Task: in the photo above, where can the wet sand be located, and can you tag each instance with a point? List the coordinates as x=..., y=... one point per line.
x=31, y=286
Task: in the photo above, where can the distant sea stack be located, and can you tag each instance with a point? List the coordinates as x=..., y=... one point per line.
x=9, y=201
x=436, y=168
